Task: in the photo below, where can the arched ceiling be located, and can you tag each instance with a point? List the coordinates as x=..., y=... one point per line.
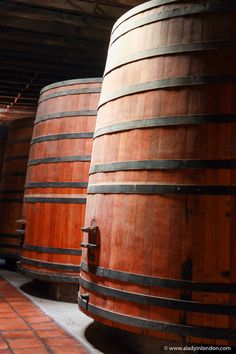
x=44, y=41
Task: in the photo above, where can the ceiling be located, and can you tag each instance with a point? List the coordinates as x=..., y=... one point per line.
x=45, y=41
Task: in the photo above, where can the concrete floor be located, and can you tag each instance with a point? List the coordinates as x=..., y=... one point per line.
x=95, y=339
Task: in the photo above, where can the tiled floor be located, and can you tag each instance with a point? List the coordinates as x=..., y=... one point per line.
x=25, y=329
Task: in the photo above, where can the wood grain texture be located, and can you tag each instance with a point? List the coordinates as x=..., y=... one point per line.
x=57, y=178
x=173, y=61
x=12, y=185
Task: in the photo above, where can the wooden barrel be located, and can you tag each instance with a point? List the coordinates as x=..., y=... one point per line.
x=3, y=140
x=12, y=186
x=57, y=178
x=160, y=246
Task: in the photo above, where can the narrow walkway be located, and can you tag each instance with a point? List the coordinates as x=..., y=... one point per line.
x=25, y=329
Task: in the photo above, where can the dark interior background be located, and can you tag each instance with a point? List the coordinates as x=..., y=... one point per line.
x=45, y=41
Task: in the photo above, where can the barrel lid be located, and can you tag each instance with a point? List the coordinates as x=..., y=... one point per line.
x=140, y=8
x=71, y=82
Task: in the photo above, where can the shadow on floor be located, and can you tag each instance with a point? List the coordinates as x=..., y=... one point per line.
x=37, y=289
x=107, y=340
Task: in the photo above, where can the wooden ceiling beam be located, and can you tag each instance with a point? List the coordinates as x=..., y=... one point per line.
x=7, y=102
x=112, y=9
x=87, y=33
x=24, y=69
x=47, y=40
x=27, y=11
x=55, y=53
x=38, y=83
x=20, y=99
x=18, y=75
x=46, y=59
x=18, y=84
x=42, y=69
x=14, y=93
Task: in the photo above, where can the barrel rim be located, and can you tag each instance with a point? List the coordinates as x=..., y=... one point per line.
x=70, y=82
x=86, y=90
x=153, y=18
x=137, y=9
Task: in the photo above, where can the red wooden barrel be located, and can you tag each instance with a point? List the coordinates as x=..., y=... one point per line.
x=12, y=185
x=160, y=246
x=3, y=140
x=57, y=179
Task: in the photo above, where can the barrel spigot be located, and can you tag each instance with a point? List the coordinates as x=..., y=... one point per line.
x=21, y=221
x=88, y=229
x=85, y=296
x=88, y=245
x=20, y=232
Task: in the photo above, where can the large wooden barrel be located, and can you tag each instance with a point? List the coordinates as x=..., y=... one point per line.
x=57, y=178
x=3, y=140
x=12, y=186
x=160, y=216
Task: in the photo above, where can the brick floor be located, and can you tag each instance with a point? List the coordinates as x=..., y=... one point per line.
x=25, y=329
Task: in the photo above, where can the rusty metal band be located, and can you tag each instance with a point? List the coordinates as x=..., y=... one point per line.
x=173, y=49
x=59, y=115
x=69, y=93
x=166, y=121
x=47, y=160
x=50, y=265
x=71, y=82
x=170, y=14
x=158, y=301
x=54, y=200
x=140, y=322
x=140, y=8
x=173, y=83
x=56, y=137
x=152, y=281
x=56, y=185
x=154, y=189
x=162, y=165
x=54, y=250
x=49, y=276
x=16, y=157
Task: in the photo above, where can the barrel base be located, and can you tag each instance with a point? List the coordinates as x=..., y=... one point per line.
x=60, y=288
x=51, y=291
x=63, y=292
